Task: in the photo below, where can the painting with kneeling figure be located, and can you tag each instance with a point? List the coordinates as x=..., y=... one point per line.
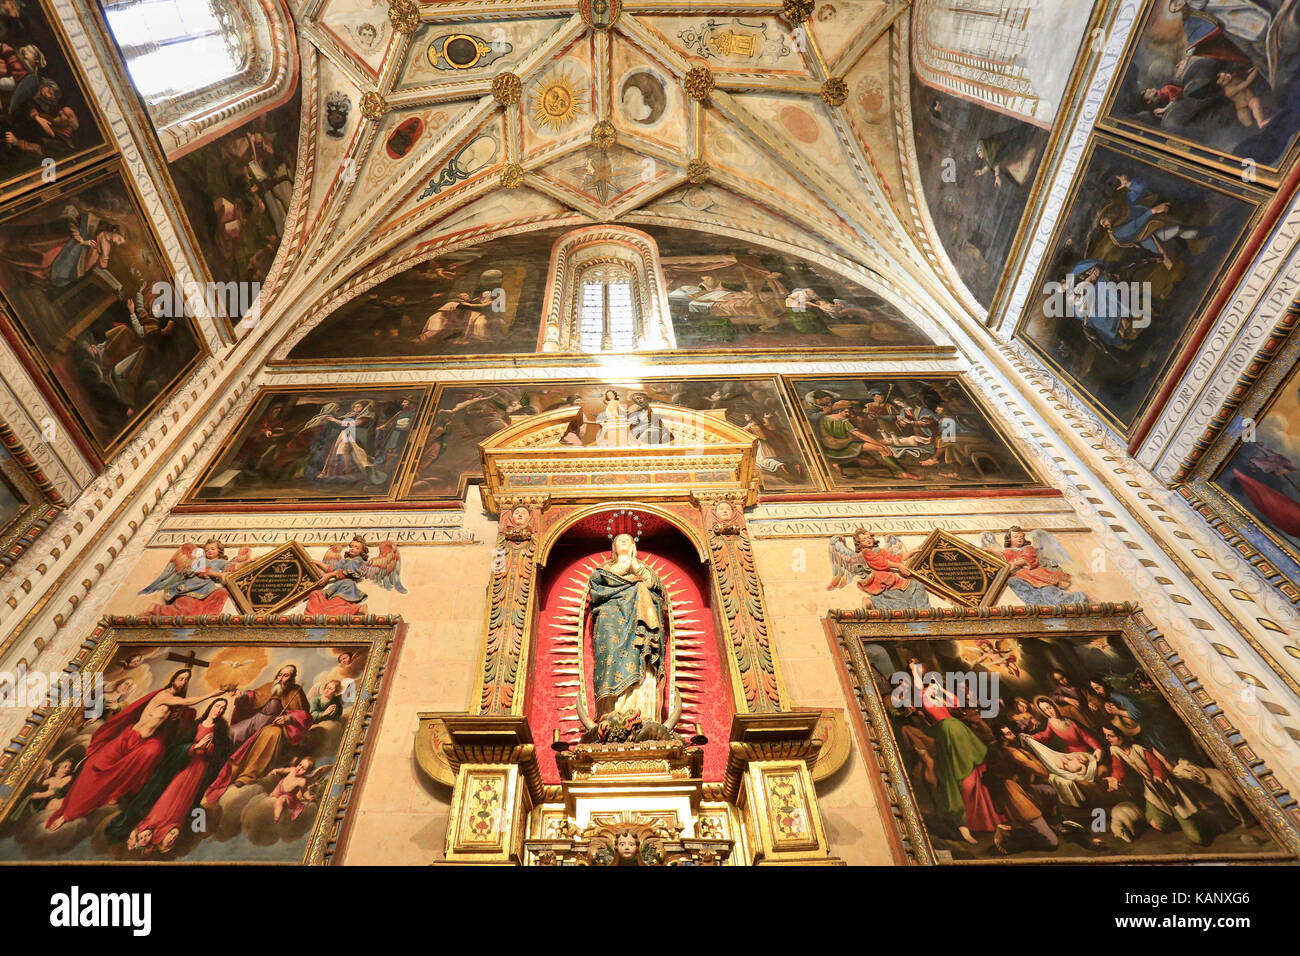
x=1054, y=748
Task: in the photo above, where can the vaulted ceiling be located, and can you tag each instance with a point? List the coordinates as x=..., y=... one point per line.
x=432, y=123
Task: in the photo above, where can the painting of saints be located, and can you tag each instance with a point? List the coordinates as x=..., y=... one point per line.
x=236, y=191
x=1037, y=560
x=44, y=115
x=325, y=444
x=129, y=784
x=882, y=573
x=889, y=432
x=483, y=299
x=1216, y=76
x=123, y=753
x=79, y=272
x=993, y=781
x=192, y=583
x=1134, y=258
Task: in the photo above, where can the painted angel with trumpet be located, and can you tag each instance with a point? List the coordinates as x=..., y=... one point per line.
x=1037, y=560
x=882, y=573
x=193, y=582
x=345, y=568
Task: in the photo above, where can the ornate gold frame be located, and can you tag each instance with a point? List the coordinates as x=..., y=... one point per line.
x=381, y=634
x=847, y=631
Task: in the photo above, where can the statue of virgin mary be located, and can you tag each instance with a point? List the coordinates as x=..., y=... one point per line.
x=630, y=612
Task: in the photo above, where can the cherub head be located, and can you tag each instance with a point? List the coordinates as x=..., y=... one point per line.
x=1015, y=537
x=357, y=548
x=303, y=767
x=863, y=538
x=626, y=846
x=213, y=549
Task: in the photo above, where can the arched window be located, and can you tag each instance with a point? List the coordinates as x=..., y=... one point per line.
x=176, y=48
x=608, y=321
x=203, y=67
x=606, y=294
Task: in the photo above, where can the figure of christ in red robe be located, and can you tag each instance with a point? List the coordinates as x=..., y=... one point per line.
x=124, y=752
x=268, y=723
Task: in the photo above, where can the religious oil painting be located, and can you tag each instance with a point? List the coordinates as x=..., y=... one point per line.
x=1132, y=265
x=977, y=170
x=223, y=744
x=486, y=299
x=1014, y=742
x=605, y=413
x=236, y=193
x=726, y=293
x=904, y=433
x=1217, y=80
x=1261, y=478
x=329, y=444
x=80, y=273
x=49, y=127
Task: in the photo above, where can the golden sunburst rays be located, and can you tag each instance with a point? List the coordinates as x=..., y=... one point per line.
x=556, y=100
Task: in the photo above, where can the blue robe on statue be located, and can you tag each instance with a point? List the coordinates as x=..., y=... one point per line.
x=627, y=632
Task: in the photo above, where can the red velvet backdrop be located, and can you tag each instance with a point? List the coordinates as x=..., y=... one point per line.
x=562, y=583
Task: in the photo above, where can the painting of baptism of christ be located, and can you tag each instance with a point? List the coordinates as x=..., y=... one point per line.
x=1219, y=81
x=80, y=272
x=1075, y=755
x=316, y=445
x=466, y=415
x=904, y=433
x=233, y=749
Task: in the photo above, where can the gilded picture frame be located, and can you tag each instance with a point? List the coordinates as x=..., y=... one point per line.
x=59, y=384
x=78, y=158
x=1113, y=119
x=1065, y=244
x=851, y=632
x=799, y=386
x=1245, y=414
x=268, y=497
x=379, y=636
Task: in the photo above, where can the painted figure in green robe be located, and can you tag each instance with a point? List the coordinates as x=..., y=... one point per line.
x=630, y=611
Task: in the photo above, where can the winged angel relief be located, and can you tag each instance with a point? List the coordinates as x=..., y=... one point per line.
x=883, y=577
x=193, y=582
x=1038, y=562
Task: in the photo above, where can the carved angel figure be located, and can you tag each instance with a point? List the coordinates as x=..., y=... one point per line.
x=882, y=576
x=1037, y=559
x=192, y=583
x=338, y=591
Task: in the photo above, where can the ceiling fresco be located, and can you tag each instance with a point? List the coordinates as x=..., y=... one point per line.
x=769, y=118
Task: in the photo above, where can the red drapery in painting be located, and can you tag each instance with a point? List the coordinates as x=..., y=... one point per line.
x=562, y=583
